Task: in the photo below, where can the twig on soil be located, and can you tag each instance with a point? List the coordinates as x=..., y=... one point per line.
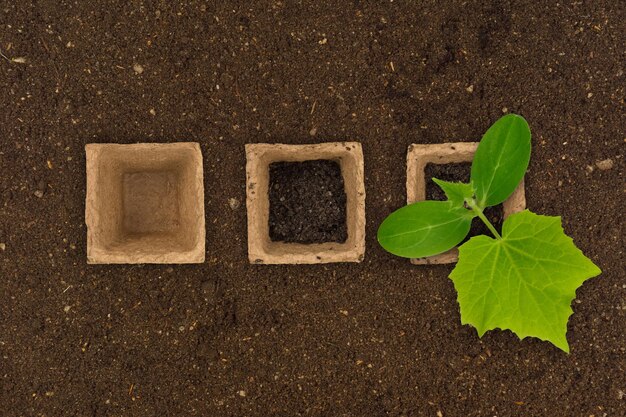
x=45, y=45
x=18, y=60
x=4, y=56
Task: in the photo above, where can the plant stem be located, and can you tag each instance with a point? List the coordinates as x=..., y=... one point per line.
x=479, y=212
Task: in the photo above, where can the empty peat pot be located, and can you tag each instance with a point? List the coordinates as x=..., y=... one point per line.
x=145, y=203
x=280, y=159
x=419, y=156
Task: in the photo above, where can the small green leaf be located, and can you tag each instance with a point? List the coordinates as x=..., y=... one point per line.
x=456, y=192
x=424, y=228
x=501, y=160
x=524, y=282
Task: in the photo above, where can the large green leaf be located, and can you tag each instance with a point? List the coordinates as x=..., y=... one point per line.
x=524, y=282
x=501, y=160
x=456, y=192
x=424, y=228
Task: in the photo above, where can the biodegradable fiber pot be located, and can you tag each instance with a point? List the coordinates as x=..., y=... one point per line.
x=145, y=203
x=261, y=249
x=419, y=156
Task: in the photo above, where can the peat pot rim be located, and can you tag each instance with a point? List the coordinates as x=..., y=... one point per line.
x=261, y=249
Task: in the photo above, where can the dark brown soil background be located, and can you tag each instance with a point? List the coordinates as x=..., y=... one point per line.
x=307, y=202
x=226, y=338
x=460, y=172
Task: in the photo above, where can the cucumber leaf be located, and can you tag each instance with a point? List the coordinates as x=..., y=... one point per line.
x=456, y=192
x=524, y=282
x=501, y=160
x=424, y=228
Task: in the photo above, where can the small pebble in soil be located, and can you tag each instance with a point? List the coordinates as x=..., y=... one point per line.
x=233, y=203
x=342, y=110
x=605, y=164
x=38, y=193
x=67, y=308
x=208, y=289
x=242, y=393
x=138, y=69
x=3, y=246
x=313, y=131
x=226, y=80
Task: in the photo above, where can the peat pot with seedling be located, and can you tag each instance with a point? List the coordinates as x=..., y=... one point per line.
x=522, y=279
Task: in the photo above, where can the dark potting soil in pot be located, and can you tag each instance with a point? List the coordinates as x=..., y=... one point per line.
x=307, y=202
x=460, y=172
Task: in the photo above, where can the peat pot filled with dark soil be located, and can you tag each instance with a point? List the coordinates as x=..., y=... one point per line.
x=451, y=162
x=305, y=203
x=145, y=203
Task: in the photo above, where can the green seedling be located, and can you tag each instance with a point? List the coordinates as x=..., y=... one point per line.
x=523, y=279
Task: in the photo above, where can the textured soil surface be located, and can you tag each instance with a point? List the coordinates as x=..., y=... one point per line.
x=460, y=172
x=226, y=338
x=307, y=202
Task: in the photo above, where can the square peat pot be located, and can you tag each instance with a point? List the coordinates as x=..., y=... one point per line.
x=271, y=162
x=145, y=203
x=419, y=156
